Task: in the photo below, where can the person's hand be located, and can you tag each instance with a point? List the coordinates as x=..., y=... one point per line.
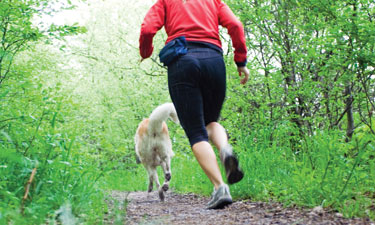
x=243, y=71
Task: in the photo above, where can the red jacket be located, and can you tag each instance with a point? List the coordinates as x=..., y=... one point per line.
x=197, y=20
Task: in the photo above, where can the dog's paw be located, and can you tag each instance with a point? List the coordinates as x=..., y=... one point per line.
x=165, y=187
x=168, y=176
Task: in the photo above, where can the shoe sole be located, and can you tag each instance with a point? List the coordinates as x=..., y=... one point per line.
x=221, y=203
x=234, y=173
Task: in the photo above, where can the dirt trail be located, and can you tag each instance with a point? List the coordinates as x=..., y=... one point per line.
x=190, y=209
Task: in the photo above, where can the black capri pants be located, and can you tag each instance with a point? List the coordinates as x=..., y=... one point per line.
x=197, y=85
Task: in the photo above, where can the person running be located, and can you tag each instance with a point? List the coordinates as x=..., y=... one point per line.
x=197, y=78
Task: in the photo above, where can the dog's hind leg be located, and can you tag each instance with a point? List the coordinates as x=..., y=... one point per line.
x=160, y=189
x=151, y=179
x=166, y=165
x=153, y=176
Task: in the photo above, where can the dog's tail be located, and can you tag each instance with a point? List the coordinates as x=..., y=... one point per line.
x=161, y=114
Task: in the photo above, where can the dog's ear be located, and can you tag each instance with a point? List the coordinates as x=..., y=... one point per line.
x=137, y=160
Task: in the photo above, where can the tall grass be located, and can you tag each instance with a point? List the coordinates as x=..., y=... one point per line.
x=324, y=170
x=38, y=139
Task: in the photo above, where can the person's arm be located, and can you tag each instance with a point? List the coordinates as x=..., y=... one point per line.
x=236, y=31
x=153, y=21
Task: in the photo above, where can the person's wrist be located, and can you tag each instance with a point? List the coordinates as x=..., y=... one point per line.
x=241, y=64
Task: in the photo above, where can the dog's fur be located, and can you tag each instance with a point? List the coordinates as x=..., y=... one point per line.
x=153, y=146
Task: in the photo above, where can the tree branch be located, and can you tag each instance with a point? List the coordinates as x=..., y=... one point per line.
x=27, y=189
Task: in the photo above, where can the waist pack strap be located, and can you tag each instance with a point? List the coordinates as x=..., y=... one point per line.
x=173, y=50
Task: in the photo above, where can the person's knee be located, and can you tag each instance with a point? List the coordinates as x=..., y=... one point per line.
x=197, y=139
x=212, y=127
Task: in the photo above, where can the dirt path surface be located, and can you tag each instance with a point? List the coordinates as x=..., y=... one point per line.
x=190, y=209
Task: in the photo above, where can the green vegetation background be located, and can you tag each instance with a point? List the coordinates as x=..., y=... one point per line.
x=71, y=97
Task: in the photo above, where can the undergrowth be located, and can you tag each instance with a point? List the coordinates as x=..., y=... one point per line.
x=324, y=171
x=67, y=123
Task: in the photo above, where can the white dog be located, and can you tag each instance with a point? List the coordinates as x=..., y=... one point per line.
x=153, y=146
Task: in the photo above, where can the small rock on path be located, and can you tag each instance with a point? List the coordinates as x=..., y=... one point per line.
x=144, y=208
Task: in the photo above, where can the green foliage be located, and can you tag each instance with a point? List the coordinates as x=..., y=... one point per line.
x=311, y=60
x=299, y=126
x=32, y=133
x=325, y=171
x=303, y=126
x=18, y=32
x=33, y=136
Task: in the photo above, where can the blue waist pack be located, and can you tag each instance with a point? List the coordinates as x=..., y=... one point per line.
x=173, y=50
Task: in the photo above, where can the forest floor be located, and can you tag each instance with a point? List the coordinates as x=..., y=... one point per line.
x=144, y=208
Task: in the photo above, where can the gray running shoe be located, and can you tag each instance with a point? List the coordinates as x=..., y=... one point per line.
x=212, y=197
x=232, y=170
x=220, y=198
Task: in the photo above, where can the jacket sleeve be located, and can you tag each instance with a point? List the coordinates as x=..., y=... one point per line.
x=153, y=21
x=236, y=31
